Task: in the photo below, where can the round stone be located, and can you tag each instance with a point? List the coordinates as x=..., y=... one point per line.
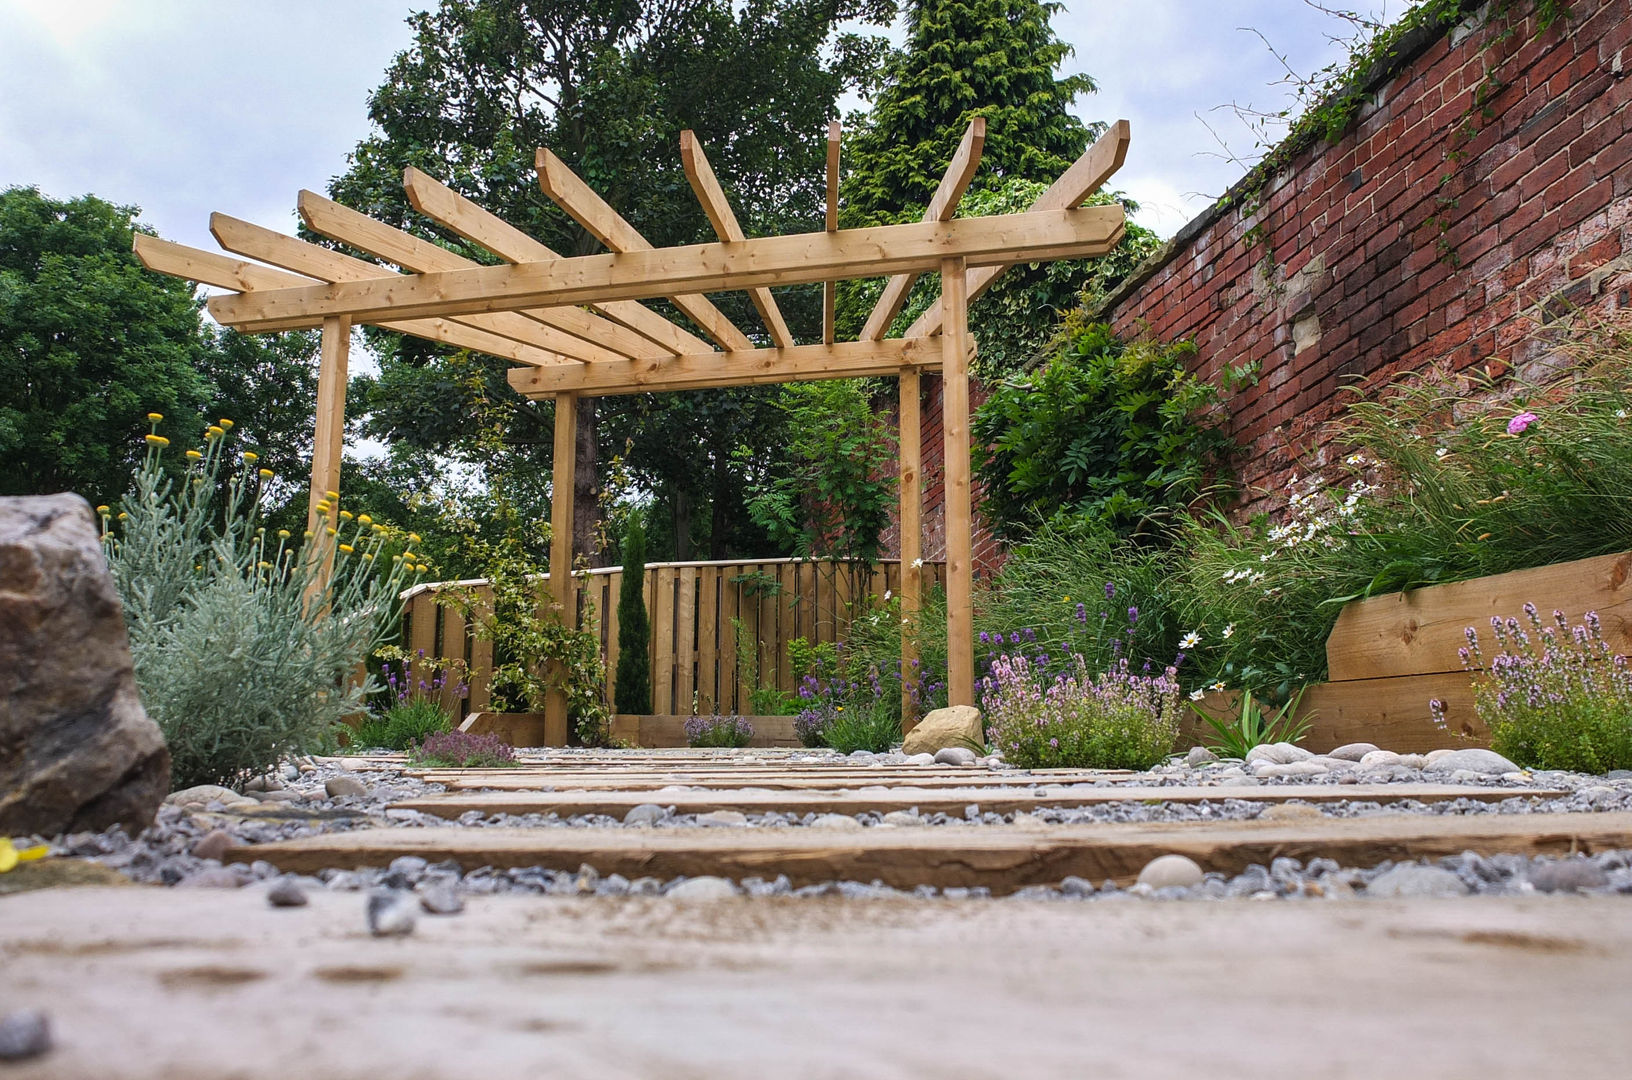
x=644, y=814
x=1291, y=812
x=1412, y=880
x=955, y=755
x=1354, y=751
x=1199, y=756
x=1568, y=875
x=920, y=759
x=905, y=818
x=1471, y=759
x=214, y=844
x=702, y=889
x=1378, y=758
x=441, y=897
x=1274, y=771
x=837, y=823
x=286, y=892
x=1171, y=871
x=341, y=787
x=24, y=1034
x=723, y=817
x=391, y=913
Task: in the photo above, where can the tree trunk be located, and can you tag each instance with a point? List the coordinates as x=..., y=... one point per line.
x=586, y=508
x=717, y=508
x=682, y=525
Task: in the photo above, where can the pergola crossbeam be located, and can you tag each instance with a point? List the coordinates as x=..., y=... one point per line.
x=772, y=260
x=718, y=209
x=462, y=217
x=587, y=208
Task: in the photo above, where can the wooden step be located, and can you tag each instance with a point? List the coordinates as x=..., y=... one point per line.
x=933, y=800
x=609, y=781
x=1002, y=858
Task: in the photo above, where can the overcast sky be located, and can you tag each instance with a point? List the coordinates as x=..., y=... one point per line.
x=187, y=106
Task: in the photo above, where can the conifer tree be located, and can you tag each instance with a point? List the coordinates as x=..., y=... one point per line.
x=634, y=682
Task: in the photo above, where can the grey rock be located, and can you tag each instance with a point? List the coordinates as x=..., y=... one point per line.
x=341, y=787
x=1076, y=886
x=216, y=877
x=1568, y=875
x=903, y=818
x=956, y=726
x=1274, y=771
x=1199, y=756
x=281, y=795
x=204, y=794
x=80, y=753
x=215, y=844
x=409, y=866
x=1353, y=751
x=1171, y=871
x=1281, y=753
x=440, y=896
x=837, y=823
x=262, y=783
x=290, y=771
x=723, y=817
x=286, y=892
x=24, y=1034
x=955, y=755
x=920, y=759
x=645, y=814
x=1474, y=760
x=1379, y=758
x=391, y=913
x=1412, y=880
x=1619, y=774
x=702, y=889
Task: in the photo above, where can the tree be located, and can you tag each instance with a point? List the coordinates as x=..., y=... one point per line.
x=608, y=85
x=634, y=683
x=91, y=342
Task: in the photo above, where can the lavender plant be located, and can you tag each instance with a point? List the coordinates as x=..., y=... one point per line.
x=849, y=705
x=1554, y=697
x=1050, y=713
x=715, y=731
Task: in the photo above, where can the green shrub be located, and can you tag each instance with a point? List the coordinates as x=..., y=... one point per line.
x=245, y=653
x=634, y=683
x=871, y=723
x=403, y=725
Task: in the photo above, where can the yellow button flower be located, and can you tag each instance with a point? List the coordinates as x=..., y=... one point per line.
x=156, y=440
x=251, y=456
x=155, y=416
x=214, y=431
x=224, y=423
x=331, y=532
x=413, y=538
x=364, y=519
x=194, y=455
x=103, y=510
x=283, y=534
x=335, y=495
x=345, y=515
x=265, y=474
x=264, y=565
x=421, y=568
x=347, y=548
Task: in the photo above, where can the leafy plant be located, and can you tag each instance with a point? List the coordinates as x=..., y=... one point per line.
x=245, y=646
x=402, y=725
x=634, y=683
x=1555, y=697
x=462, y=750
x=850, y=702
x=714, y=731
x=1253, y=727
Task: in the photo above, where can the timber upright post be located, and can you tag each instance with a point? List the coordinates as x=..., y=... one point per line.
x=960, y=621
x=911, y=523
x=330, y=436
x=561, y=591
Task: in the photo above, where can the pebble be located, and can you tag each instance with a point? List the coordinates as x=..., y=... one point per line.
x=1378, y=758
x=286, y=892
x=24, y=1034
x=262, y=783
x=904, y=818
x=391, y=913
x=1292, y=811
x=1474, y=760
x=702, y=888
x=920, y=759
x=837, y=823
x=283, y=795
x=1281, y=753
x=1568, y=875
x=214, y=844
x=204, y=794
x=1199, y=756
x=1354, y=751
x=645, y=814
x=955, y=755
x=1290, y=769
x=1413, y=880
x=340, y=787
x=440, y=896
x=1171, y=871
x=723, y=817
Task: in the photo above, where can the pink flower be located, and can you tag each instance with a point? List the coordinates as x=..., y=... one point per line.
x=1517, y=425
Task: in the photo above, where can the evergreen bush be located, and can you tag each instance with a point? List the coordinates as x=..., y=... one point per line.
x=634, y=685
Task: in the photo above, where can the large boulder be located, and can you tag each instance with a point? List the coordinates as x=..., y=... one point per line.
x=957, y=726
x=76, y=750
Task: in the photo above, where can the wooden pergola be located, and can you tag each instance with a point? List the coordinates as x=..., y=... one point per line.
x=576, y=326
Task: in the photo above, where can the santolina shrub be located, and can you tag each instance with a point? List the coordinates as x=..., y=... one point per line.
x=718, y=731
x=462, y=750
x=1555, y=697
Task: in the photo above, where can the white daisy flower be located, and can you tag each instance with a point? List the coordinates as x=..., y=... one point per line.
x=1190, y=640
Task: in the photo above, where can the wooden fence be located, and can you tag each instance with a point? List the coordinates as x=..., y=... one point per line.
x=694, y=609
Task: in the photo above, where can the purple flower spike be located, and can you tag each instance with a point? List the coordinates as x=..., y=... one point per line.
x=1133, y=615
x=1110, y=590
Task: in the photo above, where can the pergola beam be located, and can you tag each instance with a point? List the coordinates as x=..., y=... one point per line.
x=960, y=172
x=210, y=268
x=801, y=363
x=1085, y=176
x=572, y=331
x=587, y=208
x=772, y=260
x=462, y=217
x=291, y=253
x=726, y=227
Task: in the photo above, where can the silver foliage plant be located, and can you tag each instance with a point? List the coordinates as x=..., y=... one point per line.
x=246, y=650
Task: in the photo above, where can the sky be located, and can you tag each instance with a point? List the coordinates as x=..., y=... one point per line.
x=182, y=107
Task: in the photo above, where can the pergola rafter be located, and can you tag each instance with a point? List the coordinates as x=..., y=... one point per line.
x=577, y=327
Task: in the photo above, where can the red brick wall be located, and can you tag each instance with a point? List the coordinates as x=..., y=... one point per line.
x=1357, y=285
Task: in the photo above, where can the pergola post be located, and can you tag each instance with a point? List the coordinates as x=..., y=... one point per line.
x=912, y=535
x=960, y=620
x=561, y=591
x=329, y=439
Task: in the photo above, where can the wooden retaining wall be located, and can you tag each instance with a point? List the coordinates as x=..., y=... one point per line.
x=695, y=666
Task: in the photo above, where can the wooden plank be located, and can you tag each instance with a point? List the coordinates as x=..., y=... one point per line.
x=726, y=664
x=1085, y=176
x=481, y=652
x=572, y=331
x=685, y=640
x=960, y=171
x=614, y=595
x=633, y=275
x=718, y=209
x=960, y=619
x=661, y=607
x=909, y=432
x=830, y=292
x=562, y=467
x=1419, y=632
x=1391, y=713
x=422, y=630
x=1002, y=858
x=669, y=729
x=587, y=208
x=708, y=627
x=459, y=215
x=454, y=646
x=809, y=624
x=750, y=367
x=932, y=801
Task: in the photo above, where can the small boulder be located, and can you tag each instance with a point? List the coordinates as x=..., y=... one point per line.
x=1354, y=751
x=1413, y=880
x=702, y=889
x=342, y=787
x=1171, y=872
x=1199, y=756
x=1471, y=759
x=959, y=725
x=955, y=755
x=1378, y=758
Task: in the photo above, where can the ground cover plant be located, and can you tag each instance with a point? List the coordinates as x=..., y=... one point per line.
x=245, y=647
x=462, y=750
x=716, y=731
x=1554, y=696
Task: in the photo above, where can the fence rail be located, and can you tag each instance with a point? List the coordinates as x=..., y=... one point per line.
x=696, y=665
